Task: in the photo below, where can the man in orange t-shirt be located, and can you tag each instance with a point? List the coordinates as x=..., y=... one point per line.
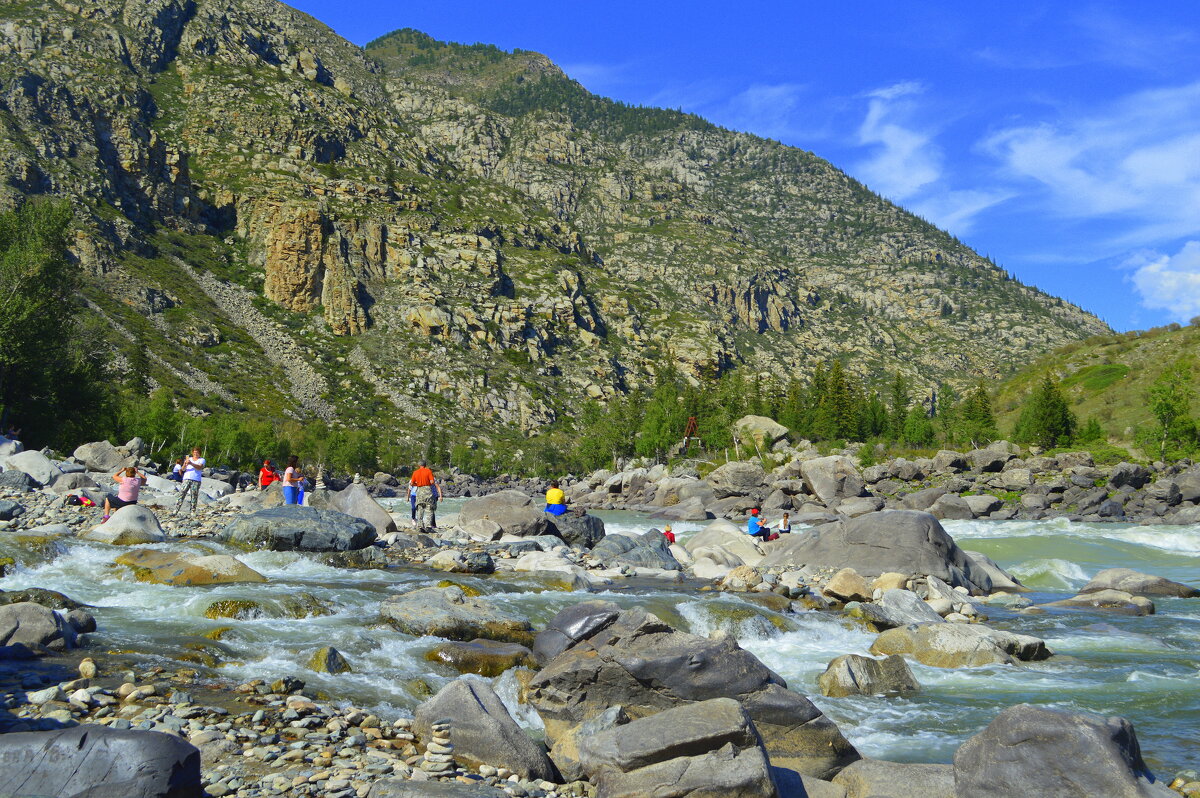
x=425, y=483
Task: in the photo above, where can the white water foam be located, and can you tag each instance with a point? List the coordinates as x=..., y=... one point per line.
x=1050, y=573
x=1173, y=539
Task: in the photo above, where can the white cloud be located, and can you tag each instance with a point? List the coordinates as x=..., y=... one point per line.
x=1169, y=282
x=906, y=158
x=764, y=109
x=1137, y=160
x=956, y=210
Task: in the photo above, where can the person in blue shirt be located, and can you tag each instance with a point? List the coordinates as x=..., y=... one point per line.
x=756, y=528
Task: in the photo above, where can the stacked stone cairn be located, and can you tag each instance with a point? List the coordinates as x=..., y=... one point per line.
x=439, y=753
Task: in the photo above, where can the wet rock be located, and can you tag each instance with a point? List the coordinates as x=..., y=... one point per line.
x=91, y=760
x=873, y=778
x=185, y=568
x=955, y=645
x=483, y=731
x=132, y=525
x=1051, y=753
x=514, y=511
x=639, y=662
x=1107, y=600
x=650, y=550
x=901, y=541
x=28, y=629
x=1001, y=579
x=852, y=674
x=38, y=595
x=292, y=528
x=448, y=612
x=704, y=749
x=1139, y=584
x=329, y=660
x=571, y=625
x=483, y=657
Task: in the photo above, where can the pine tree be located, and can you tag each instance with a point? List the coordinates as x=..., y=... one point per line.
x=976, y=422
x=918, y=428
x=898, y=408
x=1045, y=419
x=1091, y=431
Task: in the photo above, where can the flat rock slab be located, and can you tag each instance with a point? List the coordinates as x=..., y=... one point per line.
x=1139, y=584
x=959, y=645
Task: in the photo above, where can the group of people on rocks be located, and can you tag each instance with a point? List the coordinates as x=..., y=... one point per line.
x=292, y=481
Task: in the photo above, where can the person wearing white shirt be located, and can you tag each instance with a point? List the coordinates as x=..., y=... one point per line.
x=193, y=473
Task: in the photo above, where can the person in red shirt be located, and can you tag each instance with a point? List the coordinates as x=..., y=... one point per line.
x=267, y=475
x=427, y=497
x=668, y=534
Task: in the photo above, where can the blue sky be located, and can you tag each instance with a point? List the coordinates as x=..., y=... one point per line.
x=1062, y=139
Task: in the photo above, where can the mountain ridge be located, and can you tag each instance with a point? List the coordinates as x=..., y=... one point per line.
x=471, y=254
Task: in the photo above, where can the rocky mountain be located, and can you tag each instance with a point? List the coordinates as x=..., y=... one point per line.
x=273, y=218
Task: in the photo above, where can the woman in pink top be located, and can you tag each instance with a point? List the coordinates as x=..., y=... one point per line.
x=129, y=482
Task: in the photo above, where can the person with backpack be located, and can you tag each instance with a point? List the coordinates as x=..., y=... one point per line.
x=193, y=474
x=427, y=497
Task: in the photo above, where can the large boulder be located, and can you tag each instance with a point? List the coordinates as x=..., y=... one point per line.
x=1001, y=579
x=692, y=509
x=356, y=501
x=832, y=478
x=131, y=525
x=896, y=607
x=187, y=569
x=851, y=674
x=761, y=430
x=873, y=778
x=959, y=645
x=448, y=612
x=102, y=456
x=1128, y=474
x=37, y=465
x=28, y=629
x=72, y=483
x=513, y=510
x=983, y=503
x=1052, y=753
x=483, y=733
x=17, y=481
x=650, y=550
x=93, y=761
x=580, y=531
x=294, y=528
x=571, y=625
x=728, y=537
x=952, y=507
x=1106, y=601
x=1139, y=584
x=710, y=748
x=637, y=661
x=901, y=541
x=736, y=479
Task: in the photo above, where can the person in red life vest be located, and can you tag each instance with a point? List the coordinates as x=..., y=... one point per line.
x=267, y=475
x=668, y=534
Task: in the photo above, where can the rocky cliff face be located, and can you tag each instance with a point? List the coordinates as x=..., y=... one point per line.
x=457, y=235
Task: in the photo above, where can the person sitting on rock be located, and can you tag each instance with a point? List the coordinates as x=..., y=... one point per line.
x=668, y=534
x=129, y=482
x=267, y=475
x=556, y=500
x=785, y=526
x=756, y=528
x=176, y=474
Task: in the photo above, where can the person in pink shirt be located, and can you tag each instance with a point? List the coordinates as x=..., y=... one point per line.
x=129, y=482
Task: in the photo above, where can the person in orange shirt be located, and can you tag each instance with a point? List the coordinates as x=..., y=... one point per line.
x=427, y=497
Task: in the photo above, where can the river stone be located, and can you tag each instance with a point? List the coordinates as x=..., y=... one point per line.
x=728, y=537
x=847, y=585
x=482, y=657
x=736, y=479
x=28, y=629
x=10, y=510
x=946, y=460
x=1139, y=584
x=709, y=748
x=187, y=569
x=571, y=625
x=357, y=502
x=956, y=645
x=92, y=761
x=1052, y=753
x=873, y=778
x=37, y=465
x=982, y=504
x=896, y=607
x=329, y=660
x=294, y=528
x=102, y=456
x=650, y=550
x=639, y=662
x=39, y=595
x=922, y=499
x=1001, y=579
x=482, y=731
x=692, y=509
x=513, y=510
x=448, y=612
x=406, y=788
x=852, y=674
x=903, y=541
x=1131, y=474
x=579, y=531
x=131, y=525
x=1107, y=600
x=17, y=481
x=832, y=478
x=72, y=483
x=952, y=507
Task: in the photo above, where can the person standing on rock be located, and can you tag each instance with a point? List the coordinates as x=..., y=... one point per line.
x=556, y=500
x=267, y=475
x=129, y=482
x=412, y=501
x=425, y=483
x=193, y=468
x=290, y=484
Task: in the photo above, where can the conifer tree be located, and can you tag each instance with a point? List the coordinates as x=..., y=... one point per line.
x=1045, y=419
x=898, y=407
x=976, y=422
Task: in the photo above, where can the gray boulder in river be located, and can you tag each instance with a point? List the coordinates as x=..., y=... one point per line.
x=1050, y=753
x=93, y=761
x=707, y=748
x=650, y=550
x=1139, y=584
x=901, y=541
x=514, y=511
x=450, y=613
x=28, y=629
x=294, y=528
x=579, y=531
x=357, y=502
x=874, y=777
x=483, y=732
x=634, y=659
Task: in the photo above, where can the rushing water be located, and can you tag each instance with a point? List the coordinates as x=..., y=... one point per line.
x=1146, y=669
